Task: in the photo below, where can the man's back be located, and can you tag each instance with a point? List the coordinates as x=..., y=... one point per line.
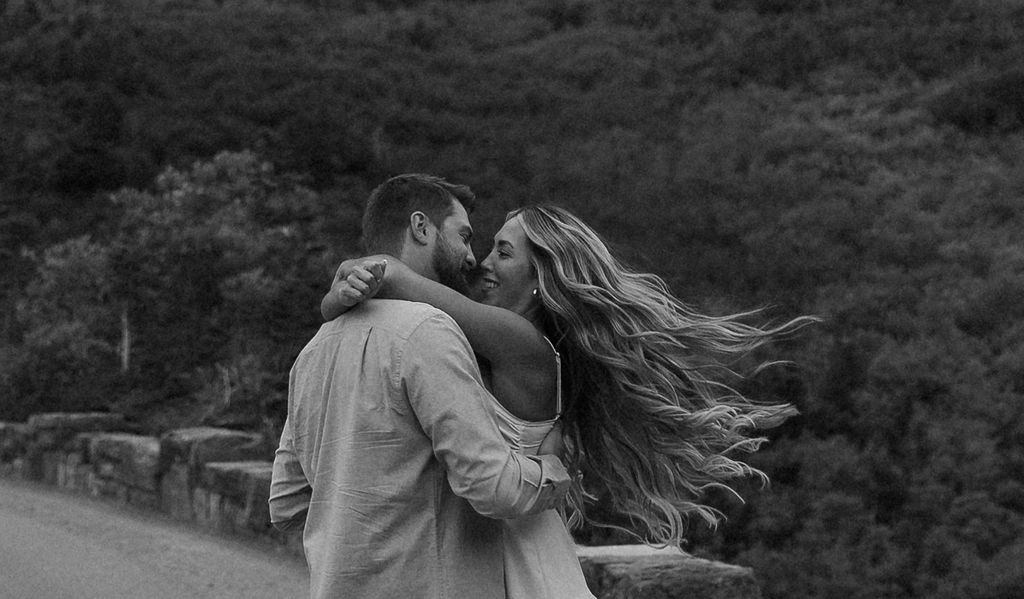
x=386, y=416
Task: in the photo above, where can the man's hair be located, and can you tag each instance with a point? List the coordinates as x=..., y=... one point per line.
x=386, y=216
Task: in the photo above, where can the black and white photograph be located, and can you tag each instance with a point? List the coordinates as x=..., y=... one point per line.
x=511, y=299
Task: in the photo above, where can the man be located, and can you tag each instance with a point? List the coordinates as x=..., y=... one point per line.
x=389, y=456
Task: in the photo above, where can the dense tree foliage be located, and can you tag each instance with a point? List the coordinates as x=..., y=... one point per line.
x=856, y=160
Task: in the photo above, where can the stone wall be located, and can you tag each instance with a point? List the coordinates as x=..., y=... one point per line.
x=219, y=479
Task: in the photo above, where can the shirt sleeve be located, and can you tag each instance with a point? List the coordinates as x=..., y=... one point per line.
x=443, y=384
x=290, y=491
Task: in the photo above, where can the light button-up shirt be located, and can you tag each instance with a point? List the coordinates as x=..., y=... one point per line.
x=391, y=460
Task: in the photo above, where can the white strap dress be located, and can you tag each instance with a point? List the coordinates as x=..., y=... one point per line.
x=540, y=554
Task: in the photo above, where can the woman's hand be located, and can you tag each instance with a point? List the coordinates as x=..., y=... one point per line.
x=359, y=282
x=354, y=282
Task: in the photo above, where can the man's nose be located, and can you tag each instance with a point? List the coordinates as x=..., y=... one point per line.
x=470, y=260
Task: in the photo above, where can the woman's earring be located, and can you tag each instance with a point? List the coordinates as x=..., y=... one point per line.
x=535, y=291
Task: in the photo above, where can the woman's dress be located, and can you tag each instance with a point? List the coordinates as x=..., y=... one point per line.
x=540, y=555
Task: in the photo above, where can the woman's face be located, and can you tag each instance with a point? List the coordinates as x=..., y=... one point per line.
x=507, y=279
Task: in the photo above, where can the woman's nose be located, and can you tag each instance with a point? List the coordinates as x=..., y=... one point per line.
x=485, y=264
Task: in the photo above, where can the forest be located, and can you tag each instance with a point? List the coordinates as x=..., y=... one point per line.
x=179, y=179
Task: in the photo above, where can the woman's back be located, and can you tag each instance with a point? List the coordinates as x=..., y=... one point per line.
x=527, y=435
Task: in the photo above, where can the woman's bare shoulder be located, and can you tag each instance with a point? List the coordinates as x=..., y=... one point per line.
x=527, y=388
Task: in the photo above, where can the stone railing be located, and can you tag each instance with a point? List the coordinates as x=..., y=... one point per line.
x=220, y=479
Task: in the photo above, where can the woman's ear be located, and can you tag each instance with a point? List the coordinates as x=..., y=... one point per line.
x=419, y=227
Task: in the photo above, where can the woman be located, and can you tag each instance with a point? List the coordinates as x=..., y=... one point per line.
x=645, y=405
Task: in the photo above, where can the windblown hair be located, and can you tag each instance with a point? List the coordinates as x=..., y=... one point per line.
x=387, y=211
x=650, y=416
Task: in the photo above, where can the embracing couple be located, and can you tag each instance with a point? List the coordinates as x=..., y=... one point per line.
x=434, y=443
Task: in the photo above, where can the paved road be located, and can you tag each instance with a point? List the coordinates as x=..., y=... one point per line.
x=59, y=546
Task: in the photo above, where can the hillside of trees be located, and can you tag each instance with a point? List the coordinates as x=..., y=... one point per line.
x=179, y=178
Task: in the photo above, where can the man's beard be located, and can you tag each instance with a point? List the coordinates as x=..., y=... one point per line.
x=448, y=266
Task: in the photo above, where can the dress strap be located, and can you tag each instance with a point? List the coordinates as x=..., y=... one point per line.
x=558, y=379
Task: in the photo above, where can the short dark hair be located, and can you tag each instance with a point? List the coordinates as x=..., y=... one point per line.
x=388, y=208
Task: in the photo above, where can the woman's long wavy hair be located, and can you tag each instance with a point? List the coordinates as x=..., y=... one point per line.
x=650, y=414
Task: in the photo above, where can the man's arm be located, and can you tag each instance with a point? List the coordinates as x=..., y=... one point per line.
x=290, y=492
x=451, y=404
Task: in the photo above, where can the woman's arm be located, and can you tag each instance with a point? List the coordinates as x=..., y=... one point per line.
x=501, y=336
x=355, y=281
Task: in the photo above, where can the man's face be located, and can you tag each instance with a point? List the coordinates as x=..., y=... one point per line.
x=453, y=256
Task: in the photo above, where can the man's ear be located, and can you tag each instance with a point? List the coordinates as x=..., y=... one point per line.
x=419, y=227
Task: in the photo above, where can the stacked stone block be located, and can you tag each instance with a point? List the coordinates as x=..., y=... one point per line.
x=631, y=571
x=124, y=467
x=233, y=497
x=13, y=439
x=51, y=437
x=184, y=454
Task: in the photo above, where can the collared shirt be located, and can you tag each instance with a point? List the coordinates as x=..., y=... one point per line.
x=392, y=461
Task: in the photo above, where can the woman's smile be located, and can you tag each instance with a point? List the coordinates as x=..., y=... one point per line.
x=507, y=278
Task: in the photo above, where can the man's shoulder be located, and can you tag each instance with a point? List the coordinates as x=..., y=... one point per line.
x=387, y=322
x=397, y=316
